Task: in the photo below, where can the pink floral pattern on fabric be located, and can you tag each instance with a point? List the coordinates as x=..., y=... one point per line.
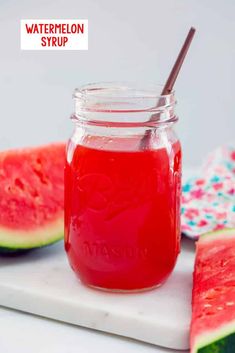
x=208, y=202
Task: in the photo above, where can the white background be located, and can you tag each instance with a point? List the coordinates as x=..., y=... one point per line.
x=128, y=40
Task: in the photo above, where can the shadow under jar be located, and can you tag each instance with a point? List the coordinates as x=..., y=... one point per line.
x=123, y=187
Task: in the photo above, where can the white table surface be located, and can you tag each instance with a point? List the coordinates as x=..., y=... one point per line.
x=25, y=333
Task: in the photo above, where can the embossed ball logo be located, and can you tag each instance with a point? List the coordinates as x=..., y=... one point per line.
x=115, y=195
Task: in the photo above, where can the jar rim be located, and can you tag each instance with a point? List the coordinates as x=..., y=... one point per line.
x=123, y=103
x=120, y=89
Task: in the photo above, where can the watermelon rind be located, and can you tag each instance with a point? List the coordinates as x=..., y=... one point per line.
x=216, y=341
x=28, y=239
x=218, y=234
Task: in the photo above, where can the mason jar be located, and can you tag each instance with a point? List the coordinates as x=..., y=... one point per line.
x=123, y=187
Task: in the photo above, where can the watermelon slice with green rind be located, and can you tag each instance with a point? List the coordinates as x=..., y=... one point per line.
x=213, y=300
x=31, y=197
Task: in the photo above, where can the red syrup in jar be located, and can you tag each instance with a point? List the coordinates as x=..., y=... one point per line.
x=122, y=215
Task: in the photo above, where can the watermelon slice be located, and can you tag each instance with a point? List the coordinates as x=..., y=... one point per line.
x=31, y=196
x=213, y=317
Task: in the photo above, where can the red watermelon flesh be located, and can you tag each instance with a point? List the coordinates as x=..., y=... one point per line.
x=31, y=196
x=213, y=302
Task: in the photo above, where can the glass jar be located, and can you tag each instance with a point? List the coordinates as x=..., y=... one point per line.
x=123, y=187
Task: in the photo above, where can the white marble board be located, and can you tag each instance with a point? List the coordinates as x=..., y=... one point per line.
x=42, y=283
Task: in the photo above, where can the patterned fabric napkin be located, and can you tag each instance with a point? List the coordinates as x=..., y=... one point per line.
x=208, y=202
